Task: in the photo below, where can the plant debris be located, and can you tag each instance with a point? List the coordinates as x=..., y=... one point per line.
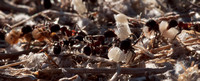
x=99, y=40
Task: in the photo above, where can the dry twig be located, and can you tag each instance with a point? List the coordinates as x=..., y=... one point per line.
x=133, y=71
x=4, y=5
x=43, y=13
x=161, y=48
x=100, y=59
x=16, y=54
x=13, y=64
x=115, y=76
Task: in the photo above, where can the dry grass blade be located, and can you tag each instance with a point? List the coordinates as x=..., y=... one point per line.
x=13, y=64
x=40, y=13
x=146, y=52
x=49, y=57
x=183, y=67
x=176, y=16
x=133, y=19
x=160, y=48
x=192, y=40
x=73, y=78
x=100, y=59
x=21, y=22
x=8, y=6
x=16, y=54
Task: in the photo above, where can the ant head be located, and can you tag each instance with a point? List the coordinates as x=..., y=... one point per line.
x=87, y=50
x=152, y=24
x=47, y=4
x=26, y=29
x=55, y=28
x=172, y=23
x=79, y=38
x=125, y=45
x=109, y=33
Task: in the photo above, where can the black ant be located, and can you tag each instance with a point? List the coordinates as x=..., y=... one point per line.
x=57, y=48
x=47, y=4
x=2, y=35
x=109, y=33
x=55, y=28
x=152, y=25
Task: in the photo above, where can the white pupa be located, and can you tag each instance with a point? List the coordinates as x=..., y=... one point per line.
x=170, y=33
x=123, y=30
x=79, y=6
x=117, y=55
